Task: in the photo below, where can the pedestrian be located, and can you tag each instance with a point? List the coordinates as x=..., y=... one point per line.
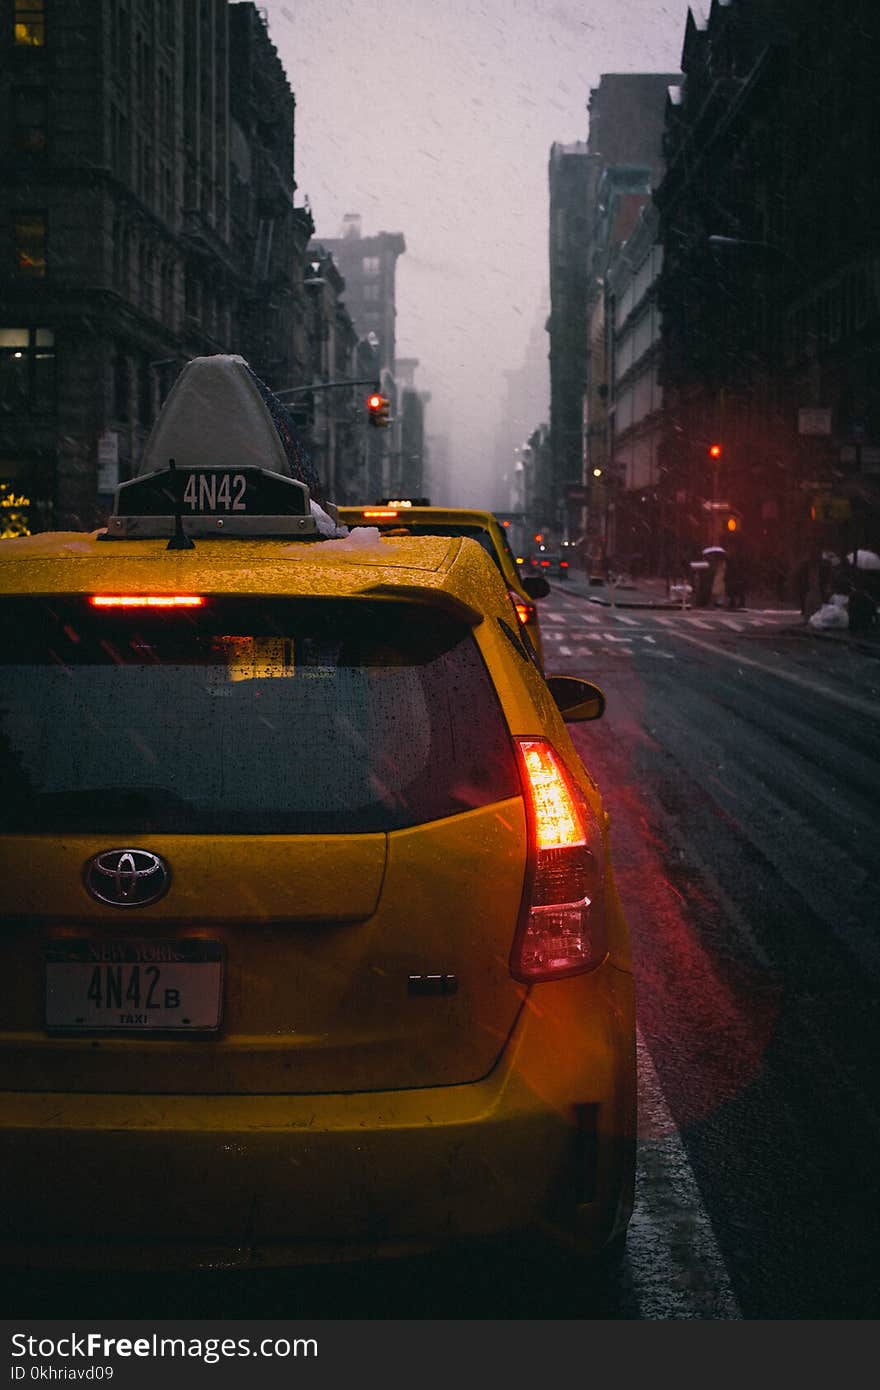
x=719, y=588
x=734, y=581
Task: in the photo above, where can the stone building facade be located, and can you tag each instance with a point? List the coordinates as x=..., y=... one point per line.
x=368, y=265
x=147, y=217
x=770, y=291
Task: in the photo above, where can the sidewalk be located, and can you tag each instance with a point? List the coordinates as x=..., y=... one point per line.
x=649, y=592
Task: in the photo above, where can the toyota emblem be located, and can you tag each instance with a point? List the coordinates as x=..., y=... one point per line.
x=127, y=877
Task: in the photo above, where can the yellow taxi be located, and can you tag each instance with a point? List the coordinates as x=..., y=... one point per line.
x=416, y=517
x=310, y=942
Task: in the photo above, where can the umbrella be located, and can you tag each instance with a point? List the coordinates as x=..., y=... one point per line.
x=864, y=559
x=714, y=550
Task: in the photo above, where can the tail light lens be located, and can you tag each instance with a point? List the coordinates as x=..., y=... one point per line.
x=560, y=930
x=545, y=564
x=563, y=564
x=146, y=601
x=525, y=611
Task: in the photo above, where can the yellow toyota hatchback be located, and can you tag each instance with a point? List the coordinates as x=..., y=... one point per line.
x=415, y=518
x=311, y=948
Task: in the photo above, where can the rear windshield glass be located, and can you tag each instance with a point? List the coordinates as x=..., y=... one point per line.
x=451, y=528
x=244, y=717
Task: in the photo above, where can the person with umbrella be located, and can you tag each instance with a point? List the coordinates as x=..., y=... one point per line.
x=717, y=557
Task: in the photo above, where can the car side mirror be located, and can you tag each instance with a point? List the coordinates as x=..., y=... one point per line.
x=576, y=699
x=535, y=585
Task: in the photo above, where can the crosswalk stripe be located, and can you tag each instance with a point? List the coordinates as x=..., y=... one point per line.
x=565, y=651
x=628, y=622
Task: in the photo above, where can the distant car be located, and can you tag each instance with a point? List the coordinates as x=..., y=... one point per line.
x=311, y=946
x=551, y=564
x=417, y=518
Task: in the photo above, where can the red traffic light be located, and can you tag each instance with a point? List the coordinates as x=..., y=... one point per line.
x=732, y=523
x=714, y=451
x=378, y=408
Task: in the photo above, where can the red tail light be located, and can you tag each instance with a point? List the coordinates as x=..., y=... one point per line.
x=525, y=611
x=545, y=564
x=560, y=930
x=563, y=564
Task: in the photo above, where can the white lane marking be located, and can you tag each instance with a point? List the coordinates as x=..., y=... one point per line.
x=556, y=617
x=676, y=1267
x=647, y=638
x=698, y=622
x=554, y=636
x=614, y=637
x=869, y=707
x=565, y=651
x=583, y=651
x=731, y=622
x=627, y=622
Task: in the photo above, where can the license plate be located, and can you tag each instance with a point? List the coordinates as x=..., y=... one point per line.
x=134, y=986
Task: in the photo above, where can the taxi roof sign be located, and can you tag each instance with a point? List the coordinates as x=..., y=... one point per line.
x=223, y=459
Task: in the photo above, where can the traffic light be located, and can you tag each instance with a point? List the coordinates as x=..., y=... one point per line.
x=714, y=451
x=377, y=409
x=732, y=523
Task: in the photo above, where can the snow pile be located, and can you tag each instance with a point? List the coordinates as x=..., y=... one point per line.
x=834, y=613
x=358, y=538
x=325, y=524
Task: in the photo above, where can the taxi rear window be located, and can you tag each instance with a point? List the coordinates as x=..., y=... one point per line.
x=244, y=716
x=477, y=533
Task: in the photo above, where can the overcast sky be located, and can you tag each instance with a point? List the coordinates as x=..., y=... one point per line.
x=435, y=118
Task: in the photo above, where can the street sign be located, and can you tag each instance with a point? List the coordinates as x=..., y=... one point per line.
x=716, y=507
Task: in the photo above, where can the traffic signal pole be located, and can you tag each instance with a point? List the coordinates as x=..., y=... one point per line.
x=326, y=386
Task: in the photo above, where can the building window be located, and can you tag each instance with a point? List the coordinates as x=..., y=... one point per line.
x=30, y=23
x=168, y=295
x=121, y=381
x=371, y=293
x=167, y=194
x=29, y=231
x=119, y=151
x=166, y=106
x=27, y=371
x=145, y=393
x=145, y=277
x=148, y=180
x=30, y=119
x=371, y=265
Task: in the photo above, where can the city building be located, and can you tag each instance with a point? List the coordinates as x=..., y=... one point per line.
x=413, y=445
x=770, y=228
x=368, y=265
x=147, y=211
x=597, y=189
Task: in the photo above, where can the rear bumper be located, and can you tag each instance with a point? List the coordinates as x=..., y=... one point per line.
x=545, y=1142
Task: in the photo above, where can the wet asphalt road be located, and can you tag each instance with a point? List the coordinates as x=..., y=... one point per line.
x=740, y=763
